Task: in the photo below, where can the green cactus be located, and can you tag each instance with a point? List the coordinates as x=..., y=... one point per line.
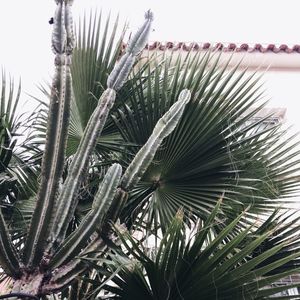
x=146, y=154
x=181, y=155
x=49, y=258
x=57, y=129
x=93, y=221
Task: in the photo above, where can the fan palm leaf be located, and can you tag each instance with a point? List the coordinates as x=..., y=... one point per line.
x=216, y=148
x=199, y=268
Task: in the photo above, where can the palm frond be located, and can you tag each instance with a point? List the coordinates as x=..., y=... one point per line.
x=199, y=268
x=217, y=146
x=18, y=176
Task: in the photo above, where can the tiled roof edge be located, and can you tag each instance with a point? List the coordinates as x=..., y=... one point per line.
x=226, y=47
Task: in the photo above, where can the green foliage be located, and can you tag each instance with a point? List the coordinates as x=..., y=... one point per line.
x=215, y=148
x=17, y=175
x=202, y=266
x=131, y=153
x=48, y=249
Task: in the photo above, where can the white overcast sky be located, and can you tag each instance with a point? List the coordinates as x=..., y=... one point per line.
x=25, y=32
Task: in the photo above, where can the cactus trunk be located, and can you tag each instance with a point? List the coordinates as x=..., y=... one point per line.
x=56, y=137
x=51, y=260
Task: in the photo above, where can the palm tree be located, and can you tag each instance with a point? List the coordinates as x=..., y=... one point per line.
x=177, y=155
x=202, y=266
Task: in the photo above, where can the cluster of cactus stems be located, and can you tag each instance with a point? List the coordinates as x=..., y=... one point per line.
x=49, y=259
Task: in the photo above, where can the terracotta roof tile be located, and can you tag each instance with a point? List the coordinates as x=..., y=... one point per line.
x=227, y=47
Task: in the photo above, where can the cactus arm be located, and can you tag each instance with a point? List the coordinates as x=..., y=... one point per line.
x=9, y=261
x=70, y=273
x=114, y=212
x=162, y=129
x=119, y=74
x=93, y=220
x=59, y=34
x=70, y=42
x=121, y=70
x=56, y=137
x=66, y=201
x=138, y=41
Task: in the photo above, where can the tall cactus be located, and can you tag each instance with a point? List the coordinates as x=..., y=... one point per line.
x=67, y=201
x=53, y=159
x=49, y=259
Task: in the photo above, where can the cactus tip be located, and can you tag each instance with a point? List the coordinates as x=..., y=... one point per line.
x=185, y=95
x=149, y=15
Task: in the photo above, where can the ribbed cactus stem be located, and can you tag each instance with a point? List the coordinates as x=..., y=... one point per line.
x=59, y=34
x=69, y=28
x=56, y=137
x=114, y=212
x=92, y=221
x=121, y=70
x=67, y=201
x=162, y=129
x=139, y=40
